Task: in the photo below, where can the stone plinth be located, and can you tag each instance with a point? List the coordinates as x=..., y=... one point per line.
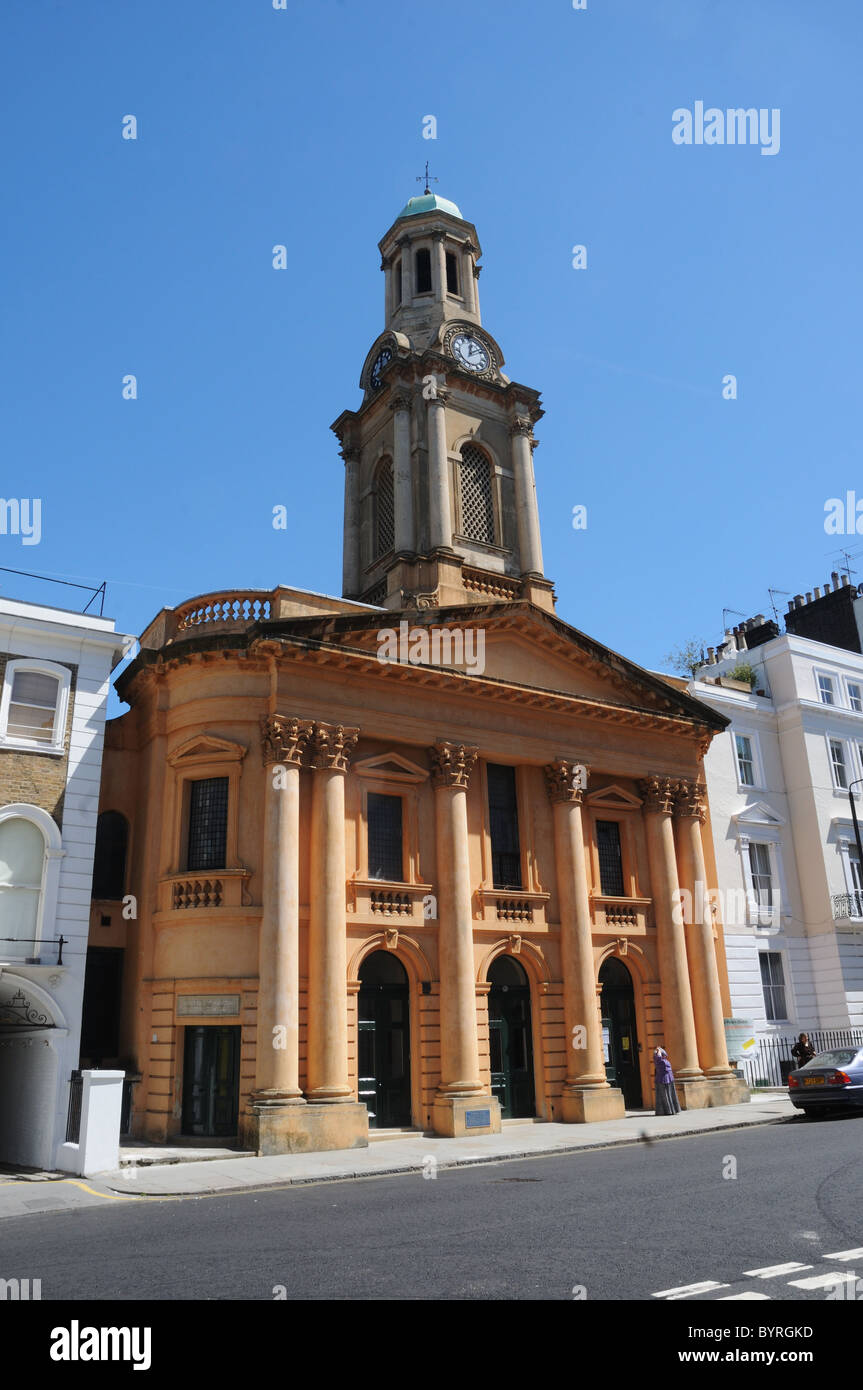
x=712, y=1090
x=458, y=1117
x=297, y=1129
x=583, y=1105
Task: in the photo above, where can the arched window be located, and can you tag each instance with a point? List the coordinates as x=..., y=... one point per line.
x=33, y=705
x=475, y=495
x=423, y=271
x=385, y=522
x=109, y=867
x=22, y=864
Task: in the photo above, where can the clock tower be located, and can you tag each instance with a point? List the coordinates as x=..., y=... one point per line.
x=440, y=498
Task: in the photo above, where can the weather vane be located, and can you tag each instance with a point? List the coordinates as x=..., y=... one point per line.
x=427, y=179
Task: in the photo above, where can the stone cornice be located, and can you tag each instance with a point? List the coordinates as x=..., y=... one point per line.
x=452, y=764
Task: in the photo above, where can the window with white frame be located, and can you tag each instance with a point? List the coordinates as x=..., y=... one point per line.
x=745, y=760
x=855, y=695
x=762, y=876
x=826, y=688
x=33, y=705
x=838, y=763
x=773, y=985
x=22, y=860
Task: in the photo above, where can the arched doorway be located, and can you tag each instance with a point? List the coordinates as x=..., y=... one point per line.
x=384, y=1040
x=619, y=1032
x=510, y=1040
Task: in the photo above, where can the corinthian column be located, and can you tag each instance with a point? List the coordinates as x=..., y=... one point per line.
x=703, y=971
x=677, y=1014
x=526, y=509
x=332, y=746
x=404, y=501
x=351, y=554
x=586, y=1094
x=440, y=507
x=278, y=1051
x=451, y=768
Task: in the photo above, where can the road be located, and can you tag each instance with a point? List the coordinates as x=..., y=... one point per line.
x=696, y=1215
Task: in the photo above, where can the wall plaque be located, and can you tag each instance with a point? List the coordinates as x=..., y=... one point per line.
x=208, y=1005
x=477, y=1119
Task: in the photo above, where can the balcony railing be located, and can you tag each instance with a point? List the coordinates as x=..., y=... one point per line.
x=15, y=948
x=190, y=892
x=848, y=906
x=620, y=915
x=373, y=899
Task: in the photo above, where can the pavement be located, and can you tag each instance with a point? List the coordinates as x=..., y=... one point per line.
x=153, y=1172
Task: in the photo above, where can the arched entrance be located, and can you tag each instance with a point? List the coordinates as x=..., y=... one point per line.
x=510, y=1040
x=384, y=1040
x=619, y=1032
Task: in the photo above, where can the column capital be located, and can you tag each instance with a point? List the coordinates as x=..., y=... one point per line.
x=691, y=799
x=452, y=764
x=522, y=424
x=438, y=236
x=350, y=453
x=658, y=793
x=284, y=739
x=441, y=395
x=566, y=780
x=400, y=400
x=332, y=746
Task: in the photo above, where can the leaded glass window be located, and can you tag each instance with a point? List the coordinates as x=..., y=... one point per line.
x=610, y=859
x=503, y=827
x=386, y=859
x=208, y=824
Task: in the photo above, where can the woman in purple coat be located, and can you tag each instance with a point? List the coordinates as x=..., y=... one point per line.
x=666, y=1092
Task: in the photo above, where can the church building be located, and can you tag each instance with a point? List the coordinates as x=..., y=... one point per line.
x=411, y=857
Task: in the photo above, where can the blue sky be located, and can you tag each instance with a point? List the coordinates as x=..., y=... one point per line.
x=304, y=127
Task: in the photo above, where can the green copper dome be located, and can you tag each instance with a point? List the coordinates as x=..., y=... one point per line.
x=429, y=202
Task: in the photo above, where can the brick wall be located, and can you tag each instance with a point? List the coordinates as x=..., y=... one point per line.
x=34, y=777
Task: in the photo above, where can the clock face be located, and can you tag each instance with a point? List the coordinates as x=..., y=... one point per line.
x=383, y=357
x=471, y=352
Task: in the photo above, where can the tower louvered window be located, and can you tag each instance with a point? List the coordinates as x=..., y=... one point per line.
x=384, y=510
x=477, y=506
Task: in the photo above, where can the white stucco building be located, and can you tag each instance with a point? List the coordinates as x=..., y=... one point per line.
x=778, y=786
x=55, y=667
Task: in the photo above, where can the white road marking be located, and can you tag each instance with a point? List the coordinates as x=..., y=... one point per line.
x=821, y=1281
x=771, y=1271
x=686, y=1290
x=846, y=1254
x=731, y=1297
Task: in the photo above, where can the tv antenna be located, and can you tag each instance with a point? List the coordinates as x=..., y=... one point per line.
x=771, y=592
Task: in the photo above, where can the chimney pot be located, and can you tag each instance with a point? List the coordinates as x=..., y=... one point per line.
x=844, y=580
x=835, y=577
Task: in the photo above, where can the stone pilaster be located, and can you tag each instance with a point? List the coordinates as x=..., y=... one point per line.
x=527, y=511
x=460, y=1081
x=400, y=404
x=351, y=551
x=440, y=504
x=586, y=1094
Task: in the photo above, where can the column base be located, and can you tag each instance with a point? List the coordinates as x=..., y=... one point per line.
x=457, y=1117
x=711, y=1091
x=585, y=1105
x=297, y=1129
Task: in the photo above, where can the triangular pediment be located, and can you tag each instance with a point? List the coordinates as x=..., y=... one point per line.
x=207, y=748
x=758, y=814
x=392, y=767
x=614, y=798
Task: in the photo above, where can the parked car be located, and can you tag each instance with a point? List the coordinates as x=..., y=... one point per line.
x=832, y=1080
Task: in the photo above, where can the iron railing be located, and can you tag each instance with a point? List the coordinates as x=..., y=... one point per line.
x=847, y=905
x=774, y=1061
x=73, y=1119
